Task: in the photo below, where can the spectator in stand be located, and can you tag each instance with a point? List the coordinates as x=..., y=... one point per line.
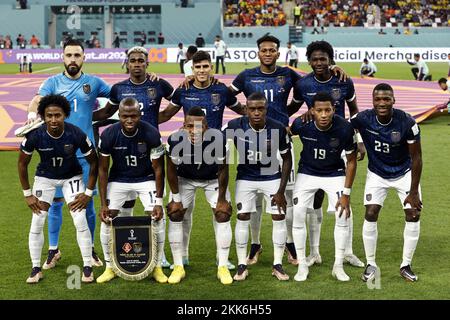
x=21, y=42
x=2, y=43
x=116, y=41
x=160, y=38
x=143, y=38
x=23, y=4
x=381, y=32
x=8, y=42
x=34, y=41
x=200, y=41
x=397, y=31
x=297, y=14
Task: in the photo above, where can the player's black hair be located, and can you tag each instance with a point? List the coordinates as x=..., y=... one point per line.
x=268, y=38
x=129, y=101
x=442, y=80
x=320, y=46
x=73, y=42
x=383, y=87
x=53, y=100
x=365, y=60
x=192, y=49
x=180, y=44
x=416, y=54
x=257, y=96
x=323, y=96
x=196, y=112
x=200, y=56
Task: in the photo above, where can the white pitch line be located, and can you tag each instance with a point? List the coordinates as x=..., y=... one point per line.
x=47, y=69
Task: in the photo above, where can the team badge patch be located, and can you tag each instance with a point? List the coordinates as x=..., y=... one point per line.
x=368, y=196
x=281, y=80
x=38, y=193
x=215, y=98
x=87, y=88
x=151, y=92
x=334, y=142
x=68, y=148
x=335, y=93
x=133, y=247
x=142, y=147
x=395, y=136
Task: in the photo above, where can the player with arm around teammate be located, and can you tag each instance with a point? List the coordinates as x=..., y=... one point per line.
x=392, y=139
x=197, y=160
x=57, y=143
x=321, y=167
x=138, y=167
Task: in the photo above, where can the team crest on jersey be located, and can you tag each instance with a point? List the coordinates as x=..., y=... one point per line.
x=38, y=193
x=68, y=148
x=395, y=136
x=281, y=80
x=335, y=93
x=215, y=98
x=87, y=88
x=152, y=93
x=334, y=142
x=368, y=196
x=137, y=247
x=142, y=147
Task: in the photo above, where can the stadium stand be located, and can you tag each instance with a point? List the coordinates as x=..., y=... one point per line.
x=246, y=13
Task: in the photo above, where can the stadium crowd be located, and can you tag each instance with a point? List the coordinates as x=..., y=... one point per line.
x=357, y=12
x=245, y=13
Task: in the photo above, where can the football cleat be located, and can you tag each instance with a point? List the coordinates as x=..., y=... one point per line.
x=313, y=259
x=106, y=276
x=255, y=252
x=22, y=131
x=52, y=257
x=185, y=263
x=302, y=273
x=96, y=262
x=369, y=273
x=278, y=272
x=88, y=275
x=291, y=254
x=223, y=274
x=354, y=261
x=242, y=273
x=339, y=273
x=35, y=275
x=159, y=275
x=177, y=275
x=408, y=274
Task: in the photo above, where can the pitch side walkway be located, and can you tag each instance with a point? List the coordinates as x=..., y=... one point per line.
x=418, y=98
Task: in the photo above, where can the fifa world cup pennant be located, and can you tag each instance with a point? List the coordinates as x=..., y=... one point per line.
x=133, y=247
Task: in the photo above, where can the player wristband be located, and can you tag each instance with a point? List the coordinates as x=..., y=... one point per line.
x=359, y=138
x=158, y=201
x=347, y=191
x=27, y=193
x=89, y=192
x=31, y=115
x=176, y=197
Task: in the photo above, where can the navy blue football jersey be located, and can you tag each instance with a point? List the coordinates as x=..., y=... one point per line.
x=387, y=145
x=308, y=86
x=212, y=100
x=58, y=155
x=149, y=95
x=258, y=149
x=321, y=154
x=200, y=161
x=276, y=86
x=131, y=155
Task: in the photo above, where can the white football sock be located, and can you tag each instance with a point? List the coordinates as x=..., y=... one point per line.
x=410, y=237
x=289, y=222
x=340, y=238
x=84, y=238
x=279, y=231
x=105, y=235
x=159, y=227
x=370, y=236
x=223, y=241
x=349, y=242
x=187, y=228
x=299, y=233
x=176, y=241
x=36, y=238
x=241, y=239
x=256, y=218
x=126, y=212
x=314, y=219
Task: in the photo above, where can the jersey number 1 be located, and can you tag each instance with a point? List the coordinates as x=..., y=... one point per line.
x=266, y=92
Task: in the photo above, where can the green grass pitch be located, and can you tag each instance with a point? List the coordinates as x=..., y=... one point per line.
x=431, y=260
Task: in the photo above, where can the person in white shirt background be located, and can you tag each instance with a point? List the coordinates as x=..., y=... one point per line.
x=368, y=68
x=221, y=49
x=420, y=71
x=188, y=63
x=181, y=56
x=293, y=53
